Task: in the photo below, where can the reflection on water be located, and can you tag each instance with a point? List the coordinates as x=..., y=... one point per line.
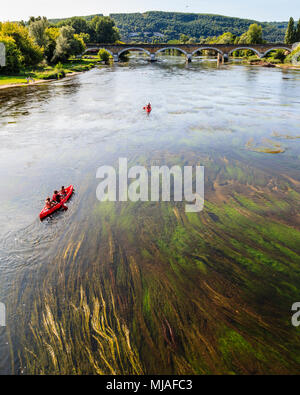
x=144, y=287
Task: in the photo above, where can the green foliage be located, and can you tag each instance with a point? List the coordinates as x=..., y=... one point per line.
x=225, y=38
x=275, y=61
x=192, y=40
x=81, y=67
x=63, y=21
x=172, y=24
x=79, y=24
x=37, y=30
x=59, y=66
x=297, y=33
x=103, y=30
x=52, y=34
x=290, y=35
x=84, y=37
x=103, y=55
x=55, y=74
x=277, y=56
x=252, y=36
x=184, y=38
x=14, y=56
x=66, y=45
x=294, y=56
x=19, y=45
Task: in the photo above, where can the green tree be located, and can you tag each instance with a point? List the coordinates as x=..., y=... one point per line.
x=103, y=30
x=184, y=38
x=14, y=58
x=103, y=55
x=67, y=45
x=192, y=40
x=290, y=34
x=80, y=25
x=225, y=38
x=37, y=30
x=33, y=19
x=85, y=37
x=297, y=35
x=254, y=35
x=52, y=34
x=32, y=54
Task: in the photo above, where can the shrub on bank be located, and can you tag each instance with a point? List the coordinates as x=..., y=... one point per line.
x=274, y=61
x=254, y=59
x=294, y=56
x=81, y=67
x=103, y=55
x=51, y=75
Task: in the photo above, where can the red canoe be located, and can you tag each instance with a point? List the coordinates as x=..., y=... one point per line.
x=48, y=211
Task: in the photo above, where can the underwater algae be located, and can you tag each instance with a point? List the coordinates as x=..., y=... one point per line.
x=271, y=147
x=145, y=288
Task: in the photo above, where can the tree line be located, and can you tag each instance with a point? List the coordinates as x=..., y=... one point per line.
x=292, y=34
x=254, y=35
x=200, y=26
x=38, y=40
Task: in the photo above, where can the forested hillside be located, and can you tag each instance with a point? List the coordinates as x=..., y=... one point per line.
x=172, y=24
x=87, y=17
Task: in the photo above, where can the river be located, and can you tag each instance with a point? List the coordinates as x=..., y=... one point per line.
x=142, y=288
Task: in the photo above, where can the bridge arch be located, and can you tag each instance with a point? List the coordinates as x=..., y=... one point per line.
x=207, y=49
x=246, y=49
x=275, y=48
x=176, y=48
x=97, y=49
x=135, y=49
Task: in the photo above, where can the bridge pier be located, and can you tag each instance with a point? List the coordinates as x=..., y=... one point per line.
x=116, y=58
x=189, y=57
x=152, y=57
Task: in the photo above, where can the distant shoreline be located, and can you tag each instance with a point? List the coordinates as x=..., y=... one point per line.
x=37, y=82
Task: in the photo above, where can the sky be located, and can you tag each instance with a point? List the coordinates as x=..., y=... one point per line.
x=260, y=10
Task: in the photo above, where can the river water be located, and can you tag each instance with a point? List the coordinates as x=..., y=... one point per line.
x=145, y=287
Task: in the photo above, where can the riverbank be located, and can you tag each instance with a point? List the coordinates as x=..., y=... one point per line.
x=14, y=85
x=265, y=63
x=47, y=73
x=288, y=66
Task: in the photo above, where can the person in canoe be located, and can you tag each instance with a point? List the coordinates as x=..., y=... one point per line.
x=48, y=203
x=148, y=107
x=63, y=192
x=56, y=199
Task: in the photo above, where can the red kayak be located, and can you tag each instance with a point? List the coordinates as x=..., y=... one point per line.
x=48, y=211
x=148, y=109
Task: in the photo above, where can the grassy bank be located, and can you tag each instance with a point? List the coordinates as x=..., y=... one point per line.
x=46, y=72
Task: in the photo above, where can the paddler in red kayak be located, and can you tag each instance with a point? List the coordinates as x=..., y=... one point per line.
x=63, y=192
x=48, y=203
x=148, y=107
x=56, y=198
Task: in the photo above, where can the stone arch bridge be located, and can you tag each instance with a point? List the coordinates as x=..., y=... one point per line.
x=152, y=50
